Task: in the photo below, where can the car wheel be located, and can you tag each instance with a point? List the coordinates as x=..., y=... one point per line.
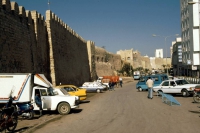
x=98, y=90
x=159, y=92
x=139, y=89
x=12, y=123
x=64, y=108
x=196, y=98
x=184, y=93
x=31, y=115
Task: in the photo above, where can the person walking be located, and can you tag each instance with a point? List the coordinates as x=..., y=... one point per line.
x=112, y=86
x=150, y=84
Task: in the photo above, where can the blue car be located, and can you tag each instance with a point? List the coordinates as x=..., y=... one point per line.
x=157, y=78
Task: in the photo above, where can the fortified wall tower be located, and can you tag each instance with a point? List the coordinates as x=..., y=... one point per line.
x=91, y=58
x=106, y=63
x=67, y=51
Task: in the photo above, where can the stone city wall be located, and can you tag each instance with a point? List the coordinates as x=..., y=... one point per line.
x=106, y=63
x=91, y=58
x=146, y=64
x=30, y=44
x=157, y=63
x=17, y=40
x=68, y=53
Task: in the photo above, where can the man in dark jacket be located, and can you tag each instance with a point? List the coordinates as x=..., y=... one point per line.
x=38, y=102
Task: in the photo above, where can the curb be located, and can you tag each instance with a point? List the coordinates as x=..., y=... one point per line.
x=43, y=123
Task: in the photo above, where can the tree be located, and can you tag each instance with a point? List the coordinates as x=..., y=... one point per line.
x=146, y=70
x=164, y=66
x=127, y=69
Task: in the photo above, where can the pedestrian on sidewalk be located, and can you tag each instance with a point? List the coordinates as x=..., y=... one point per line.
x=150, y=84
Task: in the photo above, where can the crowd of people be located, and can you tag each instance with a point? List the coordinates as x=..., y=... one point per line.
x=112, y=84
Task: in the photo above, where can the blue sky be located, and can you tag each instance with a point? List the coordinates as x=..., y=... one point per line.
x=117, y=24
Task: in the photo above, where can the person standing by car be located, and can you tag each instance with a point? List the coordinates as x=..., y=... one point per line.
x=38, y=102
x=120, y=81
x=110, y=85
x=150, y=87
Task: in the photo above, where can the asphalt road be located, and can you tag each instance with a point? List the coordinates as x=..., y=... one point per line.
x=128, y=111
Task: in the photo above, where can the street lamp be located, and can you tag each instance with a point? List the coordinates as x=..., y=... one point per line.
x=192, y=2
x=48, y=4
x=154, y=35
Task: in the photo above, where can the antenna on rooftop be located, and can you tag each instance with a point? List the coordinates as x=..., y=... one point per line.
x=48, y=4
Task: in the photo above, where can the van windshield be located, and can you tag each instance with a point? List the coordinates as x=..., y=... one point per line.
x=142, y=79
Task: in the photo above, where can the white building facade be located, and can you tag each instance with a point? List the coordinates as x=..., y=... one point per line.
x=190, y=37
x=159, y=53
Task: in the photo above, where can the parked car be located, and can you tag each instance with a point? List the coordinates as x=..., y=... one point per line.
x=93, y=87
x=176, y=86
x=157, y=78
x=74, y=91
x=94, y=84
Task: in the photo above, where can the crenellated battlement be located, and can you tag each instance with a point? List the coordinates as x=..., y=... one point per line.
x=6, y=5
x=50, y=16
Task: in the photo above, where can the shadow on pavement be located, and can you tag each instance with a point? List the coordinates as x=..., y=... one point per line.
x=75, y=111
x=196, y=112
x=21, y=129
x=86, y=101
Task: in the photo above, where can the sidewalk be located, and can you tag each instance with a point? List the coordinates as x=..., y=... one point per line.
x=28, y=126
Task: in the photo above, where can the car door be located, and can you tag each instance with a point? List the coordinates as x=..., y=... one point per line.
x=76, y=91
x=172, y=87
x=46, y=99
x=165, y=86
x=179, y=85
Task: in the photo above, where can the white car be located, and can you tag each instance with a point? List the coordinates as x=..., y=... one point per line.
x=177, y=86
x=63, y=92
x=93, y=86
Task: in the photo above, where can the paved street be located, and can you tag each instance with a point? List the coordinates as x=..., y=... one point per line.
x=126, y=111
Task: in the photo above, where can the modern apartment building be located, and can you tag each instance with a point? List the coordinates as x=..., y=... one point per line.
x=190, y=37
x=178, y=68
